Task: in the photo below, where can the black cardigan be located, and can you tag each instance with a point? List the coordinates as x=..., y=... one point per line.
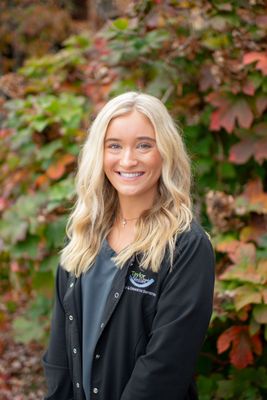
x=153, y=327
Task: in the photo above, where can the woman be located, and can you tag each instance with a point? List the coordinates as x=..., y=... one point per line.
x=135, y=283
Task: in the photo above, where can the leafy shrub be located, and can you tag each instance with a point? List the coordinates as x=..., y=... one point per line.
x=207, y=62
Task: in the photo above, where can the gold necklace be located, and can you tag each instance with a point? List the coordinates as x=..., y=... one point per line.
x=125, y=220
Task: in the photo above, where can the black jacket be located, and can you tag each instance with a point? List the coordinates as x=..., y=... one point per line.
x=152, y=330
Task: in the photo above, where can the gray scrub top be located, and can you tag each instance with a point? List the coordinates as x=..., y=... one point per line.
x=96, y=285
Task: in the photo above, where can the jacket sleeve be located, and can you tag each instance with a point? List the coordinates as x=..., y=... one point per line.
x=184, y=309
x=55, y=360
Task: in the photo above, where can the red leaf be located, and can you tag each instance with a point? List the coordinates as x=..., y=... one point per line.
x=248, y=88
x=215, y=123
x=260, y=150
x=56, y=171
x=243, y=113
x=242, y=344
x=229, y=112
x=67, y=159
x=41, y=180
x=261, y=59
x=226, y=338
x=256, y=344
x=242, y=151
x=261, y=104
x=241, y=353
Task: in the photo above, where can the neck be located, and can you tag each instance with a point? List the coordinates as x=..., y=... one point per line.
x=131, y=207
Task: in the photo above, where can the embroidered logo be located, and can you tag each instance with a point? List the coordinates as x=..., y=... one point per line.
x=139, y=280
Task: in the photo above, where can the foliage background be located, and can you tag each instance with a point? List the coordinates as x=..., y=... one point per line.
x=207, y=61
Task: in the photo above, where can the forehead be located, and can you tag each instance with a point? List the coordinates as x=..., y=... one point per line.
x=131, y=124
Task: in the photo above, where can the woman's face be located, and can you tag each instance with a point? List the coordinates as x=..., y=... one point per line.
x=132, y=162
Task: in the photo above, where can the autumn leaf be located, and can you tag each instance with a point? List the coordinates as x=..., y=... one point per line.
x=253, y=232
x=41, y=180
x=256, y=344
x=259, y=58
x=57, y=170
x=261, y=104
x=260, y=150
x=241, y=152
x=253, y=198
x=244, y=254
x=246, y=294
x=242, y=274
x=248, y=88
x=241, y=353
x=229, y=112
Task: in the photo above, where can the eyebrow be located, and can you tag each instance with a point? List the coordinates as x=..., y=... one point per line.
x=138, y=138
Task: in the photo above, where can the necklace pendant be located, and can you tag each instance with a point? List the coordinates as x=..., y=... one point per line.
x=124, y=222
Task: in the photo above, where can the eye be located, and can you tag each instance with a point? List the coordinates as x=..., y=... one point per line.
x=144, y=146
x=114, y=146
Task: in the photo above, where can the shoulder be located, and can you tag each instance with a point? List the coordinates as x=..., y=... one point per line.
x=193, y=246
x=195, y=233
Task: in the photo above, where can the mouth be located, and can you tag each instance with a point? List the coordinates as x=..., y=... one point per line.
x=129, y=175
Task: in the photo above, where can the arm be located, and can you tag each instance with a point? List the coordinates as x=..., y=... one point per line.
x=179, y=327
x=55, y=360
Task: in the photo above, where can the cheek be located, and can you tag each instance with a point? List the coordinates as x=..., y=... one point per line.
x=156, y=164
x=107, y=162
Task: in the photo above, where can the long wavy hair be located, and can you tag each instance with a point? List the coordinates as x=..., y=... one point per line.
x=97, y=205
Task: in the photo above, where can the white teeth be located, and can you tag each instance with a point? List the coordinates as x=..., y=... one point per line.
x=130, y=175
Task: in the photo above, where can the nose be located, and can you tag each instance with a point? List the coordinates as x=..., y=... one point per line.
x=128, y=158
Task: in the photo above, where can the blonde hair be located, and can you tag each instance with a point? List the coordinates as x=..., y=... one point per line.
x=97, y=200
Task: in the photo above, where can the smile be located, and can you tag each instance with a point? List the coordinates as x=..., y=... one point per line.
x=130, y=174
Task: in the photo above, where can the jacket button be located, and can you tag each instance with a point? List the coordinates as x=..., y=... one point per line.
x=77, y=385
x=71, y=317
x=102, y=325
x=74, y=350
x=116, y=295
x=97, y=356
x=71, y=285
x=95, y=390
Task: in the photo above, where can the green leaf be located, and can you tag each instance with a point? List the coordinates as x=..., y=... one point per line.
x=260, y=313
x=43, y=283
x=48, y=150
x=121, y=23
x=225, y=389
x=55, y=232
x=26, y=331
x=254, y=326
x=50, y=263
x=27, y=249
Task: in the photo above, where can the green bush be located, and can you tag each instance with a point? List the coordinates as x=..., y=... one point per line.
x=207, y=62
